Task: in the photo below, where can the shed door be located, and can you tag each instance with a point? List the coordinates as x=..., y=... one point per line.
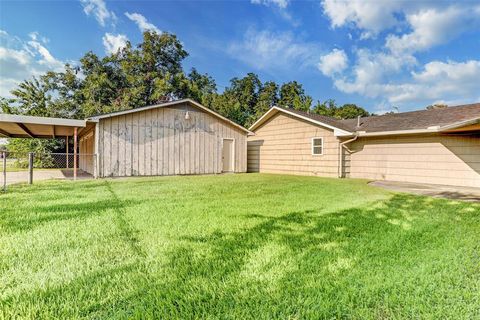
x=228, y=157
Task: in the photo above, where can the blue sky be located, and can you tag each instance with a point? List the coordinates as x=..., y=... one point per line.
x=378, y=54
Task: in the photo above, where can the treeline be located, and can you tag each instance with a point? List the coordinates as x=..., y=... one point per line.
x=152, y=72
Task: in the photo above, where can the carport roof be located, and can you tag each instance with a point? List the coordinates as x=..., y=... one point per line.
x=19, y=126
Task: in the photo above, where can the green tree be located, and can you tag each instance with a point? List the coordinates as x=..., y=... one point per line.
x=350, y=111
x=292, y=95
x=329, y=108
x=267, y=97
x=30, y=98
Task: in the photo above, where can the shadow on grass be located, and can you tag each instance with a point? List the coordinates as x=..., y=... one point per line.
x=11, y=220
x=294, y=265
x=301, y=264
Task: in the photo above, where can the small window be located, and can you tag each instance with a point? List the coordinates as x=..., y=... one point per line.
x=317, y=146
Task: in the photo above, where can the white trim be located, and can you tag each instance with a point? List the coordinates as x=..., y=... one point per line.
x=337, y=131
x=168, y=104
x=42, y=120
x=313, y=153
x=460, y=124
x=232, y=155
x=392, y=133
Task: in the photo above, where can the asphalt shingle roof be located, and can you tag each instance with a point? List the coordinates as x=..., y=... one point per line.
x=421, y=119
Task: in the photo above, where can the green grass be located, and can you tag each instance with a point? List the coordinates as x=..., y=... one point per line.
x=235, y=246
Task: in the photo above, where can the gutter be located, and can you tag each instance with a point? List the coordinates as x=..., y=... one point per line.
x=343, y=145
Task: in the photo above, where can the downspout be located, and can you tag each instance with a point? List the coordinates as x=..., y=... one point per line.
x=343, y=145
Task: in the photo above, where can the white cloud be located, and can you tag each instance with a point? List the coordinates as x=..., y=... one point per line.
x=22, y=59
x=430, y=21
x=113, y=43
x=435, y=81
x=432, y=27
x=99, y=10
x=370, y=16
x=392, y=73
x=333, y=63
x=142, y=22
x=371, y=70
x=440, y=80
x=282, y=4
x=267, y=50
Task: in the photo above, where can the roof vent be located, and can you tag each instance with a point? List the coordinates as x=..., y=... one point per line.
x=358, y=121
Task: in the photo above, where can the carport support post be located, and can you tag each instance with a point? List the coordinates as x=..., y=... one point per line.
x=75, y=153
x=4, y=159
x=30, y=167
x=66, y=149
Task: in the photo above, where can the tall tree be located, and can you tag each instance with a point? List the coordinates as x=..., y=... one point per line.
x=350, y=111
x=31, y=98
x=329, y=108
x=267, y=97
x=292, y=95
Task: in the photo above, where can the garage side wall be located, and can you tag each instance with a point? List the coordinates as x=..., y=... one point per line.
x=86, y=151
x=161, y=141
x=284, y=145
x=437, y=159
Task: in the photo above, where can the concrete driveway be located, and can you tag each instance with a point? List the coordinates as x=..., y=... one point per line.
x=433, y=190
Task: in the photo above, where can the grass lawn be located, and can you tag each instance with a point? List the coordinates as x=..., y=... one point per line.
x=235, y=246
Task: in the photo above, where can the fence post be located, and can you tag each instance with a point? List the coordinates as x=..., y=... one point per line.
x=75, y=153
x=30, y=167
x=4, y=155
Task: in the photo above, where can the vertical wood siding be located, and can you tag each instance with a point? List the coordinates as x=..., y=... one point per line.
x=161, y=142
x=86, y=152
x=436, y=159
x=284, y=145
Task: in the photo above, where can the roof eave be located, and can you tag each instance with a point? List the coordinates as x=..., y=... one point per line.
x=167, y=104
x=460, y=124
x=273, y=110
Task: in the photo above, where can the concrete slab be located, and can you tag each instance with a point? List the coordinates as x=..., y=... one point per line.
x=45, y=174
x=433, y=190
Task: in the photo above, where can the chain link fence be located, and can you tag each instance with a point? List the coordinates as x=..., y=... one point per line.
x=18, y=167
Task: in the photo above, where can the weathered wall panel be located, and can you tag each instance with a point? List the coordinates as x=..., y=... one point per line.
x=162, y=142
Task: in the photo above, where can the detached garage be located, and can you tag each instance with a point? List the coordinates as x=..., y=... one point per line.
x=179, y=137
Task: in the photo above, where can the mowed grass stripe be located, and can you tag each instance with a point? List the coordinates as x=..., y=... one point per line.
x=235, y=246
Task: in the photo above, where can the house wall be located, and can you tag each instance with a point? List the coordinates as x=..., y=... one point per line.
x=86, y=152
x=284, y=145
x=161, y=141
x=436, y=159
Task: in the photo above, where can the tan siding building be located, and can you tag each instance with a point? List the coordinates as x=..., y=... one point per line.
x=284, y=145
x=178, y=138
x=438, y=159
x=431, y=146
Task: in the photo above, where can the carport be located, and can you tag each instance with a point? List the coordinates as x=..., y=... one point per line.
x=20, y=126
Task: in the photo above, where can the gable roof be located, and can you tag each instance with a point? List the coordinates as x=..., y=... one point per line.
x=421, y=121
x=328, y=122
x=168, y=104
x=435, y=119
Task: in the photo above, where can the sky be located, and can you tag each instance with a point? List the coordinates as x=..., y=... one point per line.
x=382, y=55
